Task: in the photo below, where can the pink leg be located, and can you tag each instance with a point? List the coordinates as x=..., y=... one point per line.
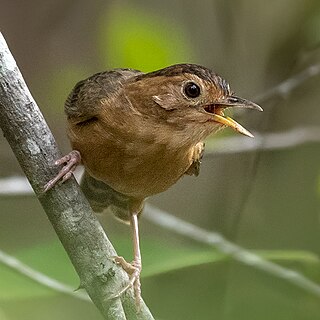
x=133, y=269
x=71, y=161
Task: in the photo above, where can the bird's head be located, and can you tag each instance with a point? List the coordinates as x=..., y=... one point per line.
x=188, y=97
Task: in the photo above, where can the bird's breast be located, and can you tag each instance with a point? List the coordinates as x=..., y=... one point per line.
x=134, y=168
x=135, y=156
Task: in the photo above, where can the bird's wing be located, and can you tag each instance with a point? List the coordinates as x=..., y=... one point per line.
x=83, y=102
x=194, y=168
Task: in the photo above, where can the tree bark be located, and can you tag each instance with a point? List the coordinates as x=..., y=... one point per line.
x=65, y=205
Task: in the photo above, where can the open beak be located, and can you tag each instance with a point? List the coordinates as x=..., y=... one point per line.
x=217, y=108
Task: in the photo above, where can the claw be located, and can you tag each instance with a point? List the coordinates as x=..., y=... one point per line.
x=71, y=161
x=133, y=270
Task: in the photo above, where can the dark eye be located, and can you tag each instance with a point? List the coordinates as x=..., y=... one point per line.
x=192, y=90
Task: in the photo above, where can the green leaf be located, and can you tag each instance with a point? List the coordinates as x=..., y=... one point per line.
x=131, y=37
x=291, y=255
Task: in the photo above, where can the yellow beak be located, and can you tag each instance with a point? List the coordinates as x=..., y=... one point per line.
x=236, y=102
x=227, y=121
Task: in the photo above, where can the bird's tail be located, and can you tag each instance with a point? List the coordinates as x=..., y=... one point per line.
x=101, y=197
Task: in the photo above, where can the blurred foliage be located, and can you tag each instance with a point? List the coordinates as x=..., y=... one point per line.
x=133, y=37
x=61, y=83
x=159, y=262
x=268, y=202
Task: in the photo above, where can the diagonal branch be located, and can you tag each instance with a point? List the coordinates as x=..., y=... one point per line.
x=263, y=142
x=184, y=228
x=179, y=226
x=66, y=207
x=18, y=186
x=15, y=264
x=284, y=88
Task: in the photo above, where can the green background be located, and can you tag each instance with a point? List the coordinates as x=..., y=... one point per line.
x=266, y=201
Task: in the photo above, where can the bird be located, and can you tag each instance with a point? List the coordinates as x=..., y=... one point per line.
x=137, y=134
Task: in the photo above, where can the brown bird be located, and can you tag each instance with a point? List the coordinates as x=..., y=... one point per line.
x=136, y=134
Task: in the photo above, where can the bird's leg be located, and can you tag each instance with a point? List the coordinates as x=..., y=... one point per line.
x=71, y=161
x=134, y=268
x=137, y=263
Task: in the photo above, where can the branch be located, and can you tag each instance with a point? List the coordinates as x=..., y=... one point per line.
x=179, y=226
x=66, y=207
x=15, y=264
x=18, y=186
x=284, y=88
x=169, y=222
x=15, y=186
x=263, y=142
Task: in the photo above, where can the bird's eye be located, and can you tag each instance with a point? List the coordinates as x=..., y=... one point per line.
x=192, y=90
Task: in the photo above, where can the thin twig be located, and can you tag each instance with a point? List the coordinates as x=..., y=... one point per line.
x=15, y=264
x=17, y=185
x=68, y=210
x=284, y=88
x=179, y=226
x=264, y=142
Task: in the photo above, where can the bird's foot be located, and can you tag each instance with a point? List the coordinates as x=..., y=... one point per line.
x=133, y=269
x=70, y=161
